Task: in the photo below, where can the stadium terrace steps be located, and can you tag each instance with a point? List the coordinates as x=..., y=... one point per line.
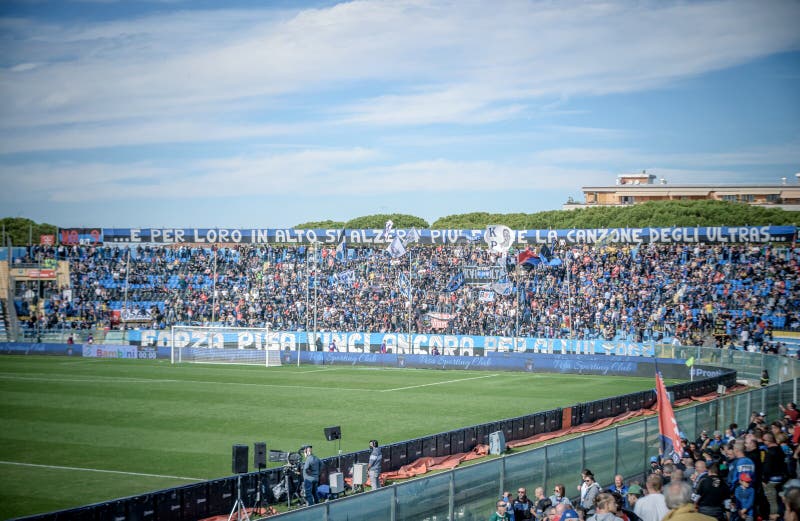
x=3, y=322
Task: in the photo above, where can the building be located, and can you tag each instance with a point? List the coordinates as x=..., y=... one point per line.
x=643, y=187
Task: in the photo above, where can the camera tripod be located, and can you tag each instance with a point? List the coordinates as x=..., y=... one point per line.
x=260, y=492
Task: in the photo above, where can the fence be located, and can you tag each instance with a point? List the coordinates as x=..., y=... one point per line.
x=471, y=491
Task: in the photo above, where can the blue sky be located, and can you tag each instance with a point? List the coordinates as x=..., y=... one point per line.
x=184, y=114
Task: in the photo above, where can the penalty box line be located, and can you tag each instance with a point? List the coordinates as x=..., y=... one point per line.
x=57, y=467
x=439, y=383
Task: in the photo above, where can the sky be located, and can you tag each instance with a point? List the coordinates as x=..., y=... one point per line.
x=270, y=114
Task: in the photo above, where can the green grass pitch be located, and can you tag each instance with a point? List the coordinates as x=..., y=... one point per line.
x=78, y=431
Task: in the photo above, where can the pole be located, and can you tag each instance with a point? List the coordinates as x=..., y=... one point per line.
x=214, y=289
x=569, y=292
x=316, y=284
x=308, y=284
x=516, y=306
x=127, y=274
x=410, y=301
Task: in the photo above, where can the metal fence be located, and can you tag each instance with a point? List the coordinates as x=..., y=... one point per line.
x=470, y=493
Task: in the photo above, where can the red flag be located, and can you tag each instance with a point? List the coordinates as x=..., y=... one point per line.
x=669, y=434
x=525, y=255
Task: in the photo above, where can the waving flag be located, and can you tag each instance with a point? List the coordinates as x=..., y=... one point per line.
x=396, y=248
x=669, y=434
x=341, y=251
x=525, y=255
x=387, y=229
x=455, y=282
x=413, y=236
x=404, y=285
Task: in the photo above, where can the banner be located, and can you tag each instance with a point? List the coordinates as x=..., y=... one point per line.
x=498, y=236
x=33, y=273
x=85, y=236
x=669, y=434
x=484, y=275
x=363, y=342
x=109, y=351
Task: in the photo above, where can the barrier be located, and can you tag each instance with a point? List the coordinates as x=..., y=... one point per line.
x=206, y=499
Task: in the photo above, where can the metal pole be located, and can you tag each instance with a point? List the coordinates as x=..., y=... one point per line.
x=316, y=283
x=410, y=301
x=308, y=282
x=214, y=289
x=127, y=274
x=516, y=304
x=569, y=293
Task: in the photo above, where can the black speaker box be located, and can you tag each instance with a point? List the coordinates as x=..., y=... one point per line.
x=429, y=446
x=221, y=495
x=414, y=450
x=195, y=501
x=142, y=508
x=443, y=444
x=333, y=433
x=168, y=504
x=260, y=455
x=457, y=441
x=239, y=459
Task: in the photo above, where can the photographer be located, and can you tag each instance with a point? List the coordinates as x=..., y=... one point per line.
x=311, y=470
x=374, y=465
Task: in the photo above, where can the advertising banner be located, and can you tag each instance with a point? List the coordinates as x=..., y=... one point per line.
x=109, y=351
x=33, y=273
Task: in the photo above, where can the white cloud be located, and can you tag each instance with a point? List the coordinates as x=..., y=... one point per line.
x=469, y=62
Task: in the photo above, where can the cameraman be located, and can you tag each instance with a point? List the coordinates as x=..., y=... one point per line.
x=374, y=465
x=311, y=470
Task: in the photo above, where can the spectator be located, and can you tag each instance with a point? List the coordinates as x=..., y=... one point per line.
x=652, y=506
x=523, y=507
x=744, y=499
x=678, y=499
x=604, y=507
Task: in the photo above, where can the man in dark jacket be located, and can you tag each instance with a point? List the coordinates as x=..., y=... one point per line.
x=311, y=470
x=374, y=464
x=773, y=473
x=523, y=507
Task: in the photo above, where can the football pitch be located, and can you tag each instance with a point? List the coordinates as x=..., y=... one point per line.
x=78, y=431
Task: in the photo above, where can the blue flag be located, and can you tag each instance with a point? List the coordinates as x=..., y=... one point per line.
x=341, y=251
x=455, y=282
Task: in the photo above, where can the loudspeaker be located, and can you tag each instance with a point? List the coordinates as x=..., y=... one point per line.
x=239, y=460
x=260, y=455
x=721, y=389
x=336, y=482
x=497, y=442
x=359, y=473
x=333, y=433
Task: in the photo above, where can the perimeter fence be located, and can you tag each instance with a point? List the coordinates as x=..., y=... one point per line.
x=470, y=492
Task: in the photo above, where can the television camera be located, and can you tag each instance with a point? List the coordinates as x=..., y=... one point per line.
x=290, y=486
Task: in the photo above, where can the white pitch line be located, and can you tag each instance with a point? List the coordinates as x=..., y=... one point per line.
x=111, y=380
x=439, y=383
x=184, y=478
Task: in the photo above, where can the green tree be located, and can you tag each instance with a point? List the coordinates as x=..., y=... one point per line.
x=379, y=221
x=320, y=224
x=22, y=231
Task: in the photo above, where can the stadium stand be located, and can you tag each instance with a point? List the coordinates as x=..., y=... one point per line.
x=696, y=294
x=3, y=322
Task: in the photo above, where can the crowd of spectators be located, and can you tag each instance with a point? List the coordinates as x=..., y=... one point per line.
x=742, y=475
x=692, y=294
